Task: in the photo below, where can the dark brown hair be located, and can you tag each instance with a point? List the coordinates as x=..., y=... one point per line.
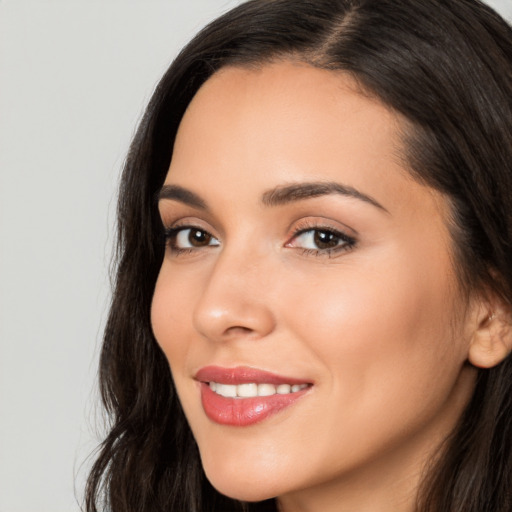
x=446, y=66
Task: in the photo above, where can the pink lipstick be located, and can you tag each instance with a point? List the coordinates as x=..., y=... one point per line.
x=243, y=396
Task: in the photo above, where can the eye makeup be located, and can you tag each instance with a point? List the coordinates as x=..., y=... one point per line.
x=310, y=237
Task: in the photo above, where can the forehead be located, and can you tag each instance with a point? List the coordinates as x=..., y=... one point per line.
x=286, y=106
x=287, y=110
x=250, y=129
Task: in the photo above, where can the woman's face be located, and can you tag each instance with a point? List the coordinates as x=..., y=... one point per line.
x=301, y=253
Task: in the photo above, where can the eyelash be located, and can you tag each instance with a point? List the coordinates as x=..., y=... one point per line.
x=170, y=235
x=346, y=242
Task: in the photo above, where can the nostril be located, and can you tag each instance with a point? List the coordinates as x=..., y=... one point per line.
x=239, y=330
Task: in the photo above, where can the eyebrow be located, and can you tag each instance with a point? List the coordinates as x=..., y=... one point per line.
x=300, y=191
x=276, y=196
x=183, y=195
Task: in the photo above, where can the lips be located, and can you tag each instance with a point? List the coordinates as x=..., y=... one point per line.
x=244, y=396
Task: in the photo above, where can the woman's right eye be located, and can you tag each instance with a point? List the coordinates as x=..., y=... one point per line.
x=187, y=238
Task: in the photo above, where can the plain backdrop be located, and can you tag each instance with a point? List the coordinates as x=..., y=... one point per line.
x=75, y=76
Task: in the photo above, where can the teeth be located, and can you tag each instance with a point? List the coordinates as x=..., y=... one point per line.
x=252, y=389
x=284, y=389
x=226, y=390
x=247, y=390
x=266, y=390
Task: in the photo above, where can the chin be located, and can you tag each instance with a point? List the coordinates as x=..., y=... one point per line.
x=246, y=491
x=243, y=485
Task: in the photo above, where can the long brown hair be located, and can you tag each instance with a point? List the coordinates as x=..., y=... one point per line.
x=444, y=65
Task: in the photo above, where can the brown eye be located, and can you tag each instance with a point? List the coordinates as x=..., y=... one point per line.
x=325, y=239
x=191, y=238
x=322, y=241
x=198, y=238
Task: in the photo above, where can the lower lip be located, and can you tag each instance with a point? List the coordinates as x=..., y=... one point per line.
x=242, y=412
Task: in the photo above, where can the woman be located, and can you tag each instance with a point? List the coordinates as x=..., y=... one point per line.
x=312, y=306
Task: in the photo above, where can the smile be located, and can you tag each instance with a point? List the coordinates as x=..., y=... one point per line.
x=244, y=396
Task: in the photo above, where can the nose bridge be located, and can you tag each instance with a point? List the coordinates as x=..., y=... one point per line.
x=235, y=297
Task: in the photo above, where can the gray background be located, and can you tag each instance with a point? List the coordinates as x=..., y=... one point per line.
x=74, y=78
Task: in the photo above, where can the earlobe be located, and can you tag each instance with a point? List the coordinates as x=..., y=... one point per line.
x=491, y=341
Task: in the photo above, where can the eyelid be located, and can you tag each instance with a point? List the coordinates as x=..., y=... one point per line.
x=321, y=223
x=310, y=225
x=186, y=221
x=337, y=232
x=173, y=229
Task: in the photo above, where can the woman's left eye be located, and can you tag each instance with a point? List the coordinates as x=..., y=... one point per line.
x=322, y=240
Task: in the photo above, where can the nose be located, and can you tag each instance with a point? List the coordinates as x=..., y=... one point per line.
x=235, y=301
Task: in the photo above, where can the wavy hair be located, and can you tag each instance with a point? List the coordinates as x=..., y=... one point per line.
x=446, y=66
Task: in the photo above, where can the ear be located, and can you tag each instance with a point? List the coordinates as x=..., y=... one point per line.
x=491, y=340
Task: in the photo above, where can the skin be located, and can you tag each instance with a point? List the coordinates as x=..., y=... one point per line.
x=380, y=328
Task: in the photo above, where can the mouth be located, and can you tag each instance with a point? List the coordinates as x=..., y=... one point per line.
x=244, y=396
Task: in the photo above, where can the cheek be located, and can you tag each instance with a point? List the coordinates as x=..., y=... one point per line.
x=381, y=330
x=170, y=306
x=384, y=342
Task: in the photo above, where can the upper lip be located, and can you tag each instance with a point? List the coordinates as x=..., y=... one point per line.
x=243, y=375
